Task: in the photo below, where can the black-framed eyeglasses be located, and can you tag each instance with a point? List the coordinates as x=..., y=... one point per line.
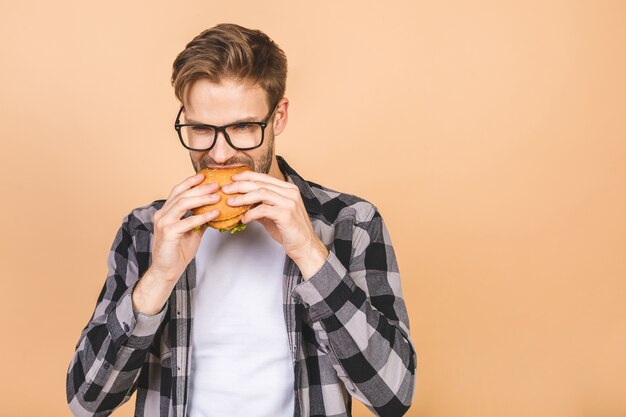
x=241, y=136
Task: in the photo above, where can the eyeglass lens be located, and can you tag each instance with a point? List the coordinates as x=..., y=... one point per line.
x=241, y=135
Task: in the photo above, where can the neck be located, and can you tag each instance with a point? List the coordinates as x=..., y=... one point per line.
x=275, y=171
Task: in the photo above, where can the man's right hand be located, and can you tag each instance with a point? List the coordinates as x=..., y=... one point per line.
x=175, y=242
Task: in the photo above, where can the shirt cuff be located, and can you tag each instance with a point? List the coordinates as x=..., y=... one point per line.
x=327, y=290
x=131, y=329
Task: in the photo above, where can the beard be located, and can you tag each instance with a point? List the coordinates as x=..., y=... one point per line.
x=261, y=164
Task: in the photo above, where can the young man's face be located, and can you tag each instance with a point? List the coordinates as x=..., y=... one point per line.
x=229, y=102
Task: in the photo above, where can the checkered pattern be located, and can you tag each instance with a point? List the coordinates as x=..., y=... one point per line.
x=348, y=326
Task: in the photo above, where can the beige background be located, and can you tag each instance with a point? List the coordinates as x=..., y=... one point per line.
x=491, y=135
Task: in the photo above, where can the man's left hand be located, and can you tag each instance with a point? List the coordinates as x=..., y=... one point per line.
x=282, y=214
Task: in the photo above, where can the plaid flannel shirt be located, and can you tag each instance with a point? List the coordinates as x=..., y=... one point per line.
x=347, y=326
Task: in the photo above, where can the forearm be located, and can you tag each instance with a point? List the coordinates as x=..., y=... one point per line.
x=311, y=259
x=109, y=357
x=152, y=292
x=114, y=345
x=376, y=355
x=372, y=347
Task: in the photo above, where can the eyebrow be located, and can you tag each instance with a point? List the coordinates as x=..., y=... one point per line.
x=242, y=120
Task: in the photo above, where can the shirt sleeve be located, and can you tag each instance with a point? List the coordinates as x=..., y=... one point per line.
x=361, y=309
x=113, y=346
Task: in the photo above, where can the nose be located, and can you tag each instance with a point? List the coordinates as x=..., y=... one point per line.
x=222, y=151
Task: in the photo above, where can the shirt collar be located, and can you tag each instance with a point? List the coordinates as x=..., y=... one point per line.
x=311, y=203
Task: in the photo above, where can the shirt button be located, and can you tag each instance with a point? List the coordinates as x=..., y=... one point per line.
x=126, y=328
x=107, y=365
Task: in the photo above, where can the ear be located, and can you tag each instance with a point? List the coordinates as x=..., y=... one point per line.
x=280, y=116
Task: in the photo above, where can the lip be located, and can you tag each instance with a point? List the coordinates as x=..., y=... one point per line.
x=224, y=166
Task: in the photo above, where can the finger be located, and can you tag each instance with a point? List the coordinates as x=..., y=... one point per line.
x=197, y=190
x=188, y=203
x=257, y=176
x=243, y=187
x=201, y=189
x=262, y=211
x=194, y=221
x=185, y=185
x=181, y=187
x=262, y=195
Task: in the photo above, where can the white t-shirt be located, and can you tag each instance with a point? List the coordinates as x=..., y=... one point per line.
x=241, y=361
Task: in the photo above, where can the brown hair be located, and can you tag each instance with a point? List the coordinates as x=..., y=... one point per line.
x=232, y=51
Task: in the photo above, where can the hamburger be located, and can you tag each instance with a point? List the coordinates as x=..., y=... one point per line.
x=229, y=217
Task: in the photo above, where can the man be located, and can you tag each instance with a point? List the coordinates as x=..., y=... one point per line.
x=292, y=317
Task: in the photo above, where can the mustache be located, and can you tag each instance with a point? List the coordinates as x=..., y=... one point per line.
x=206, y=162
